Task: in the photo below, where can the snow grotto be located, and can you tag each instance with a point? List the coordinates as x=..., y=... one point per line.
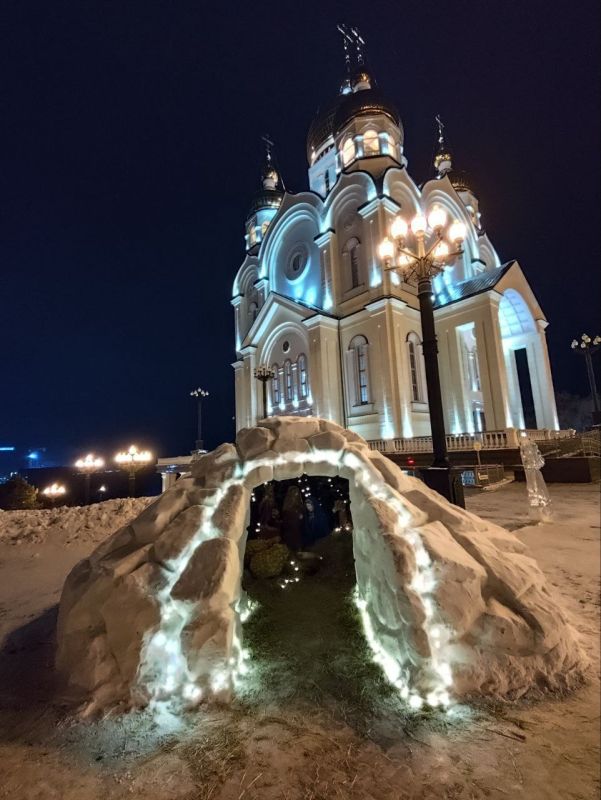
x=452, y=606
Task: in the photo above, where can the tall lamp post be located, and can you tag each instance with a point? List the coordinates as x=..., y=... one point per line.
x=587, y=347
x=420, y=250
x=88, y=465
x=199, y=394
x=131, y=461
x=264, y=374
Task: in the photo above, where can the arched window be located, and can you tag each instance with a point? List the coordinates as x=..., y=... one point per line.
x=415, y=367
x=371, y=143
x=348, y=151
x=303, y=386
x=276, y=394
x=351, y=249
x=264, y=227
x=253, y=310
x=289, y=393
x=388, y=144
x=358, y=349
x=327, y=180
x=252, y=235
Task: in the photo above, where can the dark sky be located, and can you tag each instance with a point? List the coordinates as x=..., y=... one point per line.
x=129, y=147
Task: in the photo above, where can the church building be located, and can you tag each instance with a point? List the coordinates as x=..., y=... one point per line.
x=313, y=301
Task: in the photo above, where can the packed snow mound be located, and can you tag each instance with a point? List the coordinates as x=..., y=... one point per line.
x=452, y=605
x=67, y=525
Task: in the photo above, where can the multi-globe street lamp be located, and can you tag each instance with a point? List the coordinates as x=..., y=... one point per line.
x=54, y=492
x=264, y=374
x=421, y=249
x=587, y=347
x=131, y=461
x=199, y=394
x=88, y=465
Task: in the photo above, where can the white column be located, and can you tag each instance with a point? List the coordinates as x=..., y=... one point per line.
x=167, y=480
x=513, y=385
x=493, y=376
x=325, y=380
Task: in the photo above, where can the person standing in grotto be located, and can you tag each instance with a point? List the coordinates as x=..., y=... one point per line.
x=293, y=518
x=316, y=522
x=269, y=515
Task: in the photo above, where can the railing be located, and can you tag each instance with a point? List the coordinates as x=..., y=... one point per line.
x=591, y=443
x=482, y=475
x=545, y=434
x=489, y=440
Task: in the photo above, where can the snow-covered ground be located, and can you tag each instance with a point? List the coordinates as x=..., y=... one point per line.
x=331, y=740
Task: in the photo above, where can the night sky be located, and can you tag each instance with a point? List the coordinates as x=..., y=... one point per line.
x=130, y=149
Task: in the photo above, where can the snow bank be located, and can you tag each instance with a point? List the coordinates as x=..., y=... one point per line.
x=68, y=524
x=452, y=605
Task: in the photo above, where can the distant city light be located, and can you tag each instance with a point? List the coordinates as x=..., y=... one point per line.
x=7, y=449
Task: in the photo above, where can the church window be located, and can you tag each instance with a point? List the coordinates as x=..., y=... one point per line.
x=473, y=370
x=303, y=388
x=253, y=310
x=276, y=394
x=348, y=151
x=252, y=235
x=264, y=227
x=358, y=348
x=288, y=380
x=297, y=262
x=371, y=143
x=414, y=367
x=327, y=180
x=351, y=249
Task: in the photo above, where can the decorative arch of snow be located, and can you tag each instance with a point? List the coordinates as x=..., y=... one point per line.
x=451, y=605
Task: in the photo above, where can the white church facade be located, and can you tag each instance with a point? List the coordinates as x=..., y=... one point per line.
x=313, y=302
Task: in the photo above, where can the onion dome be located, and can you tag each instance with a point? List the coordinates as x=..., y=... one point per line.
x=364, y=102
x=265, y=198
x=460, y=180
x=330, y=119
x=322, y=126
x=270, y=194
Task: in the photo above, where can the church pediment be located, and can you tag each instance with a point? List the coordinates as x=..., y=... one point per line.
x=275, y=312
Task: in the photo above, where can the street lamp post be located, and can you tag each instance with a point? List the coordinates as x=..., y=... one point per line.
x=264, y=374
x=54, y=492
x=587, y=347
x=131, y=461
x=87, y=466
x=199, y=394
x=420, y=250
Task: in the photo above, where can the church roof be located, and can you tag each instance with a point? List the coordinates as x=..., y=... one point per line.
x=481, y=283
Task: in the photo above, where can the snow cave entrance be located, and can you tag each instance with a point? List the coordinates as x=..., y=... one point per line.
x=305, y=636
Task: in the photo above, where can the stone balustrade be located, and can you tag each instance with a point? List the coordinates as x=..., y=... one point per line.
x=490, y=440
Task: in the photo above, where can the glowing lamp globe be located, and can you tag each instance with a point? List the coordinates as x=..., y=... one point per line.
x=437, y=218
x=90, y=462
x=457, y=232
x=399, y=228
x=386, y=250
x=441, y=251
x=419, y=224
